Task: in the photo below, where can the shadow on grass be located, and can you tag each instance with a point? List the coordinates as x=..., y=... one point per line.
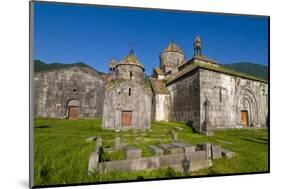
x=42, y=127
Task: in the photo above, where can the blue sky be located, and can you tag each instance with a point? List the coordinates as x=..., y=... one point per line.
x=70, y=33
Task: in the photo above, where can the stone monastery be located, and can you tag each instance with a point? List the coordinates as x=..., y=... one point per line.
x=199, y=92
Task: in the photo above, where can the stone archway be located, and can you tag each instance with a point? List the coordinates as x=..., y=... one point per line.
x=247, y=108
x=73, y=109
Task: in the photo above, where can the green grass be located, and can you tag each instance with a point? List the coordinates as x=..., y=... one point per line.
x=62, y=153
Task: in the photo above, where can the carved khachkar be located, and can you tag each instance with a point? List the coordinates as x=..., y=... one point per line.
x=197, y=45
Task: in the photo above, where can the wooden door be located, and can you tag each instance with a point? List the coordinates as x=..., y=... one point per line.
x=73, y=112
x=244, y=118
x=126, y=118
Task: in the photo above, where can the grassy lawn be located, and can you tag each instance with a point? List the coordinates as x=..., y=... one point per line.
x=62, y=153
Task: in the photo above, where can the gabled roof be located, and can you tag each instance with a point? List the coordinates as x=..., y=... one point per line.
x=211, y=67
x=158, y=86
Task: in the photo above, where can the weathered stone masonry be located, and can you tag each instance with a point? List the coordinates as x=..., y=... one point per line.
x=198, y=92
x=76, y=90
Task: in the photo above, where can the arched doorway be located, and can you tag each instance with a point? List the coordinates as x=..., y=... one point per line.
x=247, y=114
x=73, y=109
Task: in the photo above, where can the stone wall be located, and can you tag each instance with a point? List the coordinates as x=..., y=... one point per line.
x=184, y=106
x=130, y=96
x=53, y=90
x=228, y=96
x=161, y=103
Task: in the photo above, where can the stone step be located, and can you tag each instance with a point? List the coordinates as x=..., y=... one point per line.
x=186, y=147
x=170, y=149
x=156, y=150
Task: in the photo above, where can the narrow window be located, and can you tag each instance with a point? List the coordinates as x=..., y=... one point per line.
x=131, y=74
x=129, y=91
x=220, y=96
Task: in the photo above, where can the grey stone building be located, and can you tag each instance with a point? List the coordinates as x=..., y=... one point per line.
x=68, y=93
x=199, y=92
x=208, y=96
x=127, y=102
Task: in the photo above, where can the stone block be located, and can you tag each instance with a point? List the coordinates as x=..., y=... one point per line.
x=171, y=159
x=91, y=139
x=216, y=152
x=196, y=165
x=170, y=149
x=117, y=143
x=194, y=156
x=132, y=153
x=157, y=151
x=94, y=159
x=98, y=142
x=207, y=148
x=186, y=147
x=227, y=153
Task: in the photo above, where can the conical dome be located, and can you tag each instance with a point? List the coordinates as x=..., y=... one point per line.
x=131, y=59
x=172, y=47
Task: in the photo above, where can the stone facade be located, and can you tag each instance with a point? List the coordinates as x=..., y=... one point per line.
x=57, y=91
x=229, y=96
x=198, y=92
x=127, y=103
x=206, y=96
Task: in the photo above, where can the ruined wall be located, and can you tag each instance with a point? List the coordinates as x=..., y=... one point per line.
x=185, y=99
x=130, y=96
x=228, y=96
x=54, y=89
x=127, y=71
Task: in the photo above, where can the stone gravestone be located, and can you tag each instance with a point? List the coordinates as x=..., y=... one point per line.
x=117, y=143
x=174, y=135
x=207, y=148
x=98, y=142
x=227, y=153
x=157, y=151
x=132, y=153
x=216, y=152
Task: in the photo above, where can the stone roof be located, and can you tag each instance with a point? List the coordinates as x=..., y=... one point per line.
x=172, y=47
x=158, y=71
x=158, y=86
x=211, y=67
x=131, y=59
x=204, y=58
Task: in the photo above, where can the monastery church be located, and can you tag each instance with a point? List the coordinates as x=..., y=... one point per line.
x=197, y=91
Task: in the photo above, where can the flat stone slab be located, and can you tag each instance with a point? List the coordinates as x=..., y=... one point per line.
x=216, y=152
x=170, y=149
x=199, y=164
x=227, y=153
x=196, y=156
x=132, y=152
x=91, y=139
x=109, y=150
x=156, y=150
x=186, y=147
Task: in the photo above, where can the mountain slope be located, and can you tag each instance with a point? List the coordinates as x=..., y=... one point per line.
x=257, y=70
x=42, y=66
